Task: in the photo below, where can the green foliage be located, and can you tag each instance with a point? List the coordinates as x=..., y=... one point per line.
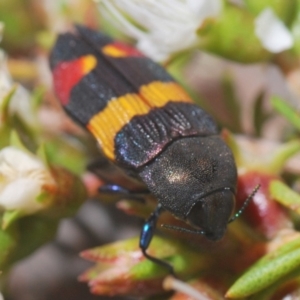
x=290, y=113
x=267, y=270
x=249, y=262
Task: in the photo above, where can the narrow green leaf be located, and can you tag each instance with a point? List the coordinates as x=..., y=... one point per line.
x=38, y=97
x=285, y=195
x=282, y=154
x=267, y=270
x=232, y=104
x=9, y=217
x=230, y=140
x=6, y=102
x=290, y=113
x=283, y=284
x=15, y=141
x=8, y=243
x=260, y=116
x=43, y=155
x=111, y=252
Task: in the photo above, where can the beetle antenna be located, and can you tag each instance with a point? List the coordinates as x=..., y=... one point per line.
x=182, y=229
x=244, y=206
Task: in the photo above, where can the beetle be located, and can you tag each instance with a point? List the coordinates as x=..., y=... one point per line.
x=147, y=126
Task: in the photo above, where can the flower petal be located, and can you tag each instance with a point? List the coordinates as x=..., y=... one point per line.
x=20, y=103
x=23, y=178
x=18, y=160
x=205, y=8
x=21, y=194
x=163, y=27
x=272, y=32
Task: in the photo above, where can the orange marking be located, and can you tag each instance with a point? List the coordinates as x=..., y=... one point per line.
x=119, y=111
x=118, y=49
x=89, y=62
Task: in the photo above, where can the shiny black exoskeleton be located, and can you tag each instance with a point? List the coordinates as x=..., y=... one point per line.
x=195, y=179
x=155, y=138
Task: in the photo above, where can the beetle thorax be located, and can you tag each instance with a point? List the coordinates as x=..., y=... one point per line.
x=194, y=178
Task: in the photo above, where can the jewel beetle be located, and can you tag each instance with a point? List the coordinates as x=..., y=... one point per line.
x=147, y=126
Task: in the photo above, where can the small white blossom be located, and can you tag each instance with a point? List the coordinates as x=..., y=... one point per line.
x=165, y=26
x=20, y=102
x=272, y=32
x=23, y=178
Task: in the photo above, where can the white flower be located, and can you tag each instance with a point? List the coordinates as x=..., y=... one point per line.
x=20, y=102
x=23, y=178
x=272, y=32
x=164, y=26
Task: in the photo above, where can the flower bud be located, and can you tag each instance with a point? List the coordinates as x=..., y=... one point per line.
x=238, y=40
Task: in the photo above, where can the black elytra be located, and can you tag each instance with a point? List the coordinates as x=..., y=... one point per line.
x=168, y=145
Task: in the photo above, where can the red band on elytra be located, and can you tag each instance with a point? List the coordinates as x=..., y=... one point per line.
x=68, y=73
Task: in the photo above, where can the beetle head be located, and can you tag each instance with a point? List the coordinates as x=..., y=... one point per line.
x=212, y=212
x=195, y=178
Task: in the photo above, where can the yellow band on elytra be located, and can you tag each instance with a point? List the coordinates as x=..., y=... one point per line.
x=119, y=111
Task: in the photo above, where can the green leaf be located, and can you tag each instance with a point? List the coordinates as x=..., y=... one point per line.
x=33, y=232
x=285, y=195
x=260, y=115
x=6, y=101
x=15, y=141
x=37, y=97
x=184, y=262
x=67, y=153
x=43, y=155
x=289, y=112
x=282, y=154
x=232, y=105
x=112, y=252
x=285, y=10
x=231, y=142
x=8, y=243
x=127, y=253
x=9, y=217
x=267, y=270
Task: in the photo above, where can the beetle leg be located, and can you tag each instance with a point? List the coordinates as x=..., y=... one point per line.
x=147, y=235
x=113, y=189
x=119, y=192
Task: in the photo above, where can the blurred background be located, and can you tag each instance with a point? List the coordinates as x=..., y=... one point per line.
x=236, y=93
